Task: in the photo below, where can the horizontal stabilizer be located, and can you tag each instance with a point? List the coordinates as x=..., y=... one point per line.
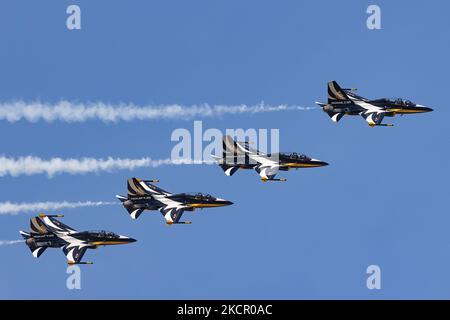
x=25, y=235
x=133, y=210
x=228, y=169
x=135, y=213
x=335, y=117
x=321, y=104
x=36, y=251
x=121, y=198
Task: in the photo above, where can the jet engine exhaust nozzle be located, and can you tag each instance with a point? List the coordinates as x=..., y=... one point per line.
x=328, y=108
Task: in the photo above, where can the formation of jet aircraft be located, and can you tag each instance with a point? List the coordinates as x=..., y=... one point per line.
x=48, y=232
x=345, y=102
x=239, y=155
x=143, y=195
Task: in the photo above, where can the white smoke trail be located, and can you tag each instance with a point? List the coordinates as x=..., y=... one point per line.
x=34, y=165
x=78, y=112
x=35, y=207
x=10, y=242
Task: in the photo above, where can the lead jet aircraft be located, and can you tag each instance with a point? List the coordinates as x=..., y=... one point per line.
x=345, y=102
x=48, y=232
x=143, y=195
x=239, y=155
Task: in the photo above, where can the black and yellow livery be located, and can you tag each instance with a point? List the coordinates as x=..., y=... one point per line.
x=48, y=232
x=345, y=102
x=144, y=195
x=239, y=155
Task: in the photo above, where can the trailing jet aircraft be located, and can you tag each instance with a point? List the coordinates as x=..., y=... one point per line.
x=48, y=232
x=239, y=155
x=345, y=102
x=143, y=195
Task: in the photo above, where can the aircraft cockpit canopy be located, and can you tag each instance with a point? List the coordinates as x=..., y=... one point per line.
x=403, y=102
x=296, y=156
x=104, y=234
x=196, y=195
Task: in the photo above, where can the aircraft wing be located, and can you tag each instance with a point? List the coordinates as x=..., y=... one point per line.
x=151, y=188
x=74, y=252
x=267, y=167
x=373, y=118
x=246, y=149
x=172, y=214
x=254, y=155
x=267, y=171
x=56, y=226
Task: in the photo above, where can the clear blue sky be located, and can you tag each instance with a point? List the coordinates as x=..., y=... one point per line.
x=383, y=200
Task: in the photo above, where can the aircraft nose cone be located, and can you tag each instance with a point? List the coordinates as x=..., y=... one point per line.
x=223, y=202
x=424, y=109
x=319, y=163
x=127, y=239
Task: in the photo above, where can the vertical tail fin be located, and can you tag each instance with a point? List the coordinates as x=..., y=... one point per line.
x=135, y=188
x=140, y=188
x=38, y=226
x=335, y=93
x=230, y=153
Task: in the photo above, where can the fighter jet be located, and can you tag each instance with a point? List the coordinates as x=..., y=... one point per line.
x=239, y=155
x=345, y=102
x=48, y=232
x=143, y=195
